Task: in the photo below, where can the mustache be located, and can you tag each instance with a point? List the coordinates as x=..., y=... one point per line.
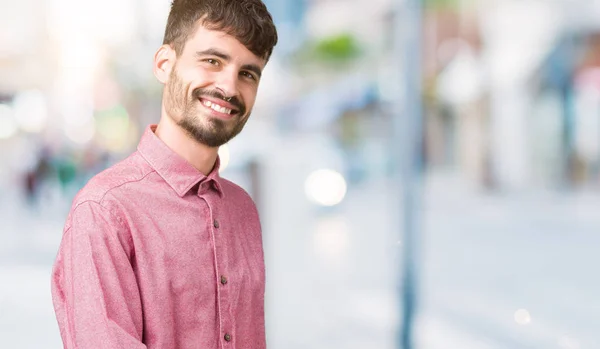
x=239, y=105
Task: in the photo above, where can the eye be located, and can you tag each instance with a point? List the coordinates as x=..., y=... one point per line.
x=212, y=61
x=248, y=75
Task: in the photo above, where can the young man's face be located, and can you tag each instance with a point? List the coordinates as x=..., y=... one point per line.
x=212, y=87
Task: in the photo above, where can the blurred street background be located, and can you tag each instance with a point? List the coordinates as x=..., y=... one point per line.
x=507, y=198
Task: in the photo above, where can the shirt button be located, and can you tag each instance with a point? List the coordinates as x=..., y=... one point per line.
x=216, y=223
x=223, y=280
x=227, y=337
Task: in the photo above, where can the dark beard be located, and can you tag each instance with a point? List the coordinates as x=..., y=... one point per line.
x=213, y=132
x=214, y=135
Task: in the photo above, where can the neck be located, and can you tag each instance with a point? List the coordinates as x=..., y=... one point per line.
x=199, y=155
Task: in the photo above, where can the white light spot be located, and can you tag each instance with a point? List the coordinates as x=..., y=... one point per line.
x=8, y=125
x=31, y=112
x=522, y=317
x=325, y=187
x=81, y=54
x=81, y=134
x=224, y=157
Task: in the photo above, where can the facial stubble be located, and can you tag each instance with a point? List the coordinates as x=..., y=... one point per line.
x=187, y=112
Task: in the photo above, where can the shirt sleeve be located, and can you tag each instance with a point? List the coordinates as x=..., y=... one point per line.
x=94, y=287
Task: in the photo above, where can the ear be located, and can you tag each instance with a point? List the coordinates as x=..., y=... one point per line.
x=164, y=60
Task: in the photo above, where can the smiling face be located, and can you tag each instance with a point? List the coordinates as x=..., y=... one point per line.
x=212, y=86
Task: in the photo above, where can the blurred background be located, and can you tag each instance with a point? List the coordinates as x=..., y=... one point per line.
x=503, y=214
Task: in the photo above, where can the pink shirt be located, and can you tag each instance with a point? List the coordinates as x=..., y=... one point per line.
x=156, y=255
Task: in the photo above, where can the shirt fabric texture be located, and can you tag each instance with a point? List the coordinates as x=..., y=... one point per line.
x=156, y=255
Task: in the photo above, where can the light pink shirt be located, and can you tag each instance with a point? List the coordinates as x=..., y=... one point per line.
x=156, y=255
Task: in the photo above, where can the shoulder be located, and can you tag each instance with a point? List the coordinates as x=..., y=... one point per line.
x=241, y=208
x=235, y=192
x=239, y=201
x=119, y=177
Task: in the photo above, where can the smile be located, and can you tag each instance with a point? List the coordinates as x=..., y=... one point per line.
x=218, y=108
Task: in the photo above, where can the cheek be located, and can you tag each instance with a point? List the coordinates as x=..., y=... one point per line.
x=194, y=77
x=199, y=76
x=249, y=96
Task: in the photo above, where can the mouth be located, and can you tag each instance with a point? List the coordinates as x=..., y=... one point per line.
x=220, y=108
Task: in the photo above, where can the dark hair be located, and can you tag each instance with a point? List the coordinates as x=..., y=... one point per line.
x=248, y=21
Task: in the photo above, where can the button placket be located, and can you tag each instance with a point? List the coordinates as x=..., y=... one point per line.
x=222, y=292
x=220, y=235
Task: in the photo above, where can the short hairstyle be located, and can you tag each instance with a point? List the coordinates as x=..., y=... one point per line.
x=248, y=21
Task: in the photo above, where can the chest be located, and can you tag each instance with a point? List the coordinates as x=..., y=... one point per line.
x=198, y=243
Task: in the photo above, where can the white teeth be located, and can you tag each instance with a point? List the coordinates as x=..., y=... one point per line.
x=217, y=107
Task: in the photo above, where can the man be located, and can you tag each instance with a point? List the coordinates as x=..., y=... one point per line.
x=158, y=251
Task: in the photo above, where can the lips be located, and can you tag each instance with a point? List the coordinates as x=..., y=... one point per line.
x=218, y=104
x=216, y=107
x=220, y=107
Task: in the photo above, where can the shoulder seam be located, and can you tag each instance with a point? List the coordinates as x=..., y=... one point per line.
x=101, y=200
x=104, y=207
x=126, y=182
x=117, y=219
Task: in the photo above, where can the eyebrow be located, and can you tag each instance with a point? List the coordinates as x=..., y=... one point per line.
x=214, y=52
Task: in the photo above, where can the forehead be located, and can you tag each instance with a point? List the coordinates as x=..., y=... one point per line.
x=203, y=39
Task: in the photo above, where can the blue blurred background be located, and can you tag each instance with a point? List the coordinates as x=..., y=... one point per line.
x=506, y=204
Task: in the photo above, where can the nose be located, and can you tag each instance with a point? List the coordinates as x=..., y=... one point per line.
x=227, y=83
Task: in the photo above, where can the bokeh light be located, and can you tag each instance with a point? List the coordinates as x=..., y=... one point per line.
x=31, y=111
x=81, y=133
x=522, y=317
x=8, y=125
x=113, y=128
x=325, y=187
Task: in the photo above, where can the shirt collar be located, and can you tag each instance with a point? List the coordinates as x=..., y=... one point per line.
x=174, y=169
